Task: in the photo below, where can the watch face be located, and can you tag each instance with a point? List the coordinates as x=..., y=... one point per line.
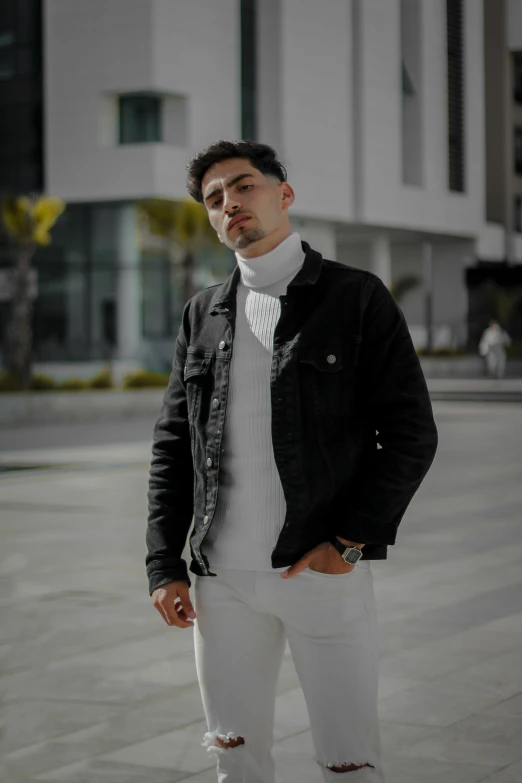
x=353, y=555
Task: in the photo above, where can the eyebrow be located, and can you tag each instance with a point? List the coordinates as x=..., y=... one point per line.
x=232, y=182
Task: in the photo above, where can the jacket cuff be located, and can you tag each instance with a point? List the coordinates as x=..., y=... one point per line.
x=367, y=529
x=159, y=577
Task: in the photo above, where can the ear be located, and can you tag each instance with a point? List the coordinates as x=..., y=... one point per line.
x=287, y=195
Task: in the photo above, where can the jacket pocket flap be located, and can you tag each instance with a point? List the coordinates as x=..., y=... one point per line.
x=332, y=356
x=325, y=362
x=196, y=365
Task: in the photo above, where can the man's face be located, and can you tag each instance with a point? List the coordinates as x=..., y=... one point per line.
x=234, y=189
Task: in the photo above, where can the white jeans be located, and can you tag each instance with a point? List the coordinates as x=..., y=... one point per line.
x=243, y=621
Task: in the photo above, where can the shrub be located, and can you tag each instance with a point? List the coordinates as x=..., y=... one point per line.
x=103, y=380
x=73, y=384
x=143, y=379
x=8, y=382
x=41, y=382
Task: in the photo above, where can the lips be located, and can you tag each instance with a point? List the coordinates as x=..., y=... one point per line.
x=237, y=222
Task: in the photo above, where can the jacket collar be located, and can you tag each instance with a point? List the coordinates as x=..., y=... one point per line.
x=225, y=294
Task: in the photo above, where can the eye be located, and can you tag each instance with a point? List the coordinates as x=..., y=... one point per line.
x=215, y=203
x=245, y=186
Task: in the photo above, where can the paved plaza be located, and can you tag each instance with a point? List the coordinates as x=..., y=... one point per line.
x=96, y=689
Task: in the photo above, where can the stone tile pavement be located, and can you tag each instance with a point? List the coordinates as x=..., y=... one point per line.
x=95, y=688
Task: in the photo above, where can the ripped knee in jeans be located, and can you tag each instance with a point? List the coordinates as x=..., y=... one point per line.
x=348, y=767
x=214, y=742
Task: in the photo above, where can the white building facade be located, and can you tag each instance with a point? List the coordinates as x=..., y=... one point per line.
x=376, y=107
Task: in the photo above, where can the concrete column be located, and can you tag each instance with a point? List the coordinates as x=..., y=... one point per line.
x=269, y=82
x=380, y=258
x=128, y=302
x=427, y=272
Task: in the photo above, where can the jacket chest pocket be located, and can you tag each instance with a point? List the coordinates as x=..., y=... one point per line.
x=327, y=375
x=196, y=377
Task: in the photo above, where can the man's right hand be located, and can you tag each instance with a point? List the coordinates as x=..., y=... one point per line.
x=164, y=599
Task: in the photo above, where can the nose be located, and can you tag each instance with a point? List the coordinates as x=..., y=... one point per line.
x=230, y=204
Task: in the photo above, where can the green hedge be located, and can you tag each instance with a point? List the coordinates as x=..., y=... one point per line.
x=8, y=382
x=144, y=379
x=72, y=384
x=103, y=380
x=41, y=382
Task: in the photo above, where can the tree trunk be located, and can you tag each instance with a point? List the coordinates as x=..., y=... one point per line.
x=20, y=339
x=188, y=265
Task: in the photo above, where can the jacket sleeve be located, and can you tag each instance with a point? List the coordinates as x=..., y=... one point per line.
x=171, y=478
x=396, y=403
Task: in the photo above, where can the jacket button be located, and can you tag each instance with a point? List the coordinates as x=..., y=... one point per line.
x=205, y=520
x=222, y=344
x=331, y=359
x=215, y=403
x=209, y=463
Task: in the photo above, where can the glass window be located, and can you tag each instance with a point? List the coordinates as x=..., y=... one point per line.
x=50, y=317
x=26, y=60
x=518, y=214
x=21, y=154
x=455, y=94
x=157, y=285
x=518, y=150
x=7, y=62
x=140, y=119
x=517, y=79
x=7, y=21
x=6, y=39
x=108, y=315
x=28, y=17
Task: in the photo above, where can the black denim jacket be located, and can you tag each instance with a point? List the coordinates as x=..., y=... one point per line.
x=343, y=369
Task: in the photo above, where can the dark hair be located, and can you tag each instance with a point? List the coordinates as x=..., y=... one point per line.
x=261, y=156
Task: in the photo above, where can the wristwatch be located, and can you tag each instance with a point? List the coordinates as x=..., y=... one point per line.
x=350, y=554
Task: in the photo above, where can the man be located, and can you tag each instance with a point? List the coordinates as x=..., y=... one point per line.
x=296, y=428
x=492, y=347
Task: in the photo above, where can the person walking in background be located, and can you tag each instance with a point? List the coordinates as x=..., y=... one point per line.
x=492, y=347
x=266, y=441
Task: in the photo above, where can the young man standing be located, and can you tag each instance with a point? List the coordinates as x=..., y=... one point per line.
x=295, y=430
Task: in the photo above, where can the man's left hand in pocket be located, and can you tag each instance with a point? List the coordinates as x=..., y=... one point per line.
x=324, y=558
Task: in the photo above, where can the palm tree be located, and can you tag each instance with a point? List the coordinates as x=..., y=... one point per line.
x=179, y=228
x=399, y=288
x=27, y=220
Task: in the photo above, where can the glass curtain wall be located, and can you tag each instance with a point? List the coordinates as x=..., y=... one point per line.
x=76, y=310
x=21, y=90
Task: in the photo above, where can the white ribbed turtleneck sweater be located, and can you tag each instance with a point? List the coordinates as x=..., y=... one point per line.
x=251, y=506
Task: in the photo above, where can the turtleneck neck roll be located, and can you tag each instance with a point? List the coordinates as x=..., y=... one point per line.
x=272, y=267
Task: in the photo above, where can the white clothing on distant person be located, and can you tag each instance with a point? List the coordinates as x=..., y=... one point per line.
x=492, y=347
